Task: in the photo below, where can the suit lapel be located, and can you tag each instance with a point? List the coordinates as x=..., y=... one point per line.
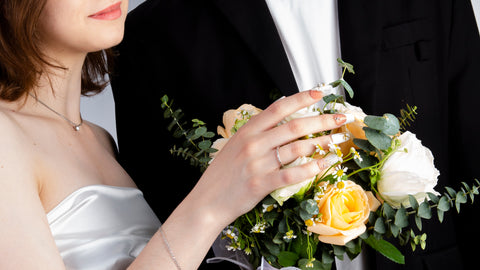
x=252, y=20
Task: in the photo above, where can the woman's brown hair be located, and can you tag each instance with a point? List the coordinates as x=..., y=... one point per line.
x=21, y=60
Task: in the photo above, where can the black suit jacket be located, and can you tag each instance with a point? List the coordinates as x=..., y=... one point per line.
x=213, y=55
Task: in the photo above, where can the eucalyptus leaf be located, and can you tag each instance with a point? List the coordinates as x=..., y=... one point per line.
x=364, y=145
x=434, y=198
x=347, y=87
x=333, y=97
x=443, y=204
x=424, y=210
x=418, y=222
x=388, y=211
x=310, y=206
x=413, y=202
x=377, y=138
x=401, y=218
x=380, y=226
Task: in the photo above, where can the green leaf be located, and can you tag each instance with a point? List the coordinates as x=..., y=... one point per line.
x=364, y=145
x=451, y=192
x=287, y=258
x=434, y=198
x=377, y=138
x=418, y=222
x=327, y=257
x=459, y=199
x=209, y=134
x=346, y=65
x=443, y=204
x=386, y=249
x=164, y=99
x=204, y=145
x=310, y=206
x=200, y=131
x=272, y=248
x=440, y=215
x=401, y=218
x=338, y=251
x=413, y=202
x=387, y=123
x=379, y=226
x=333, y=97
x=388, y=211
x=347, y=87
x=424, y=210
x=395, y=230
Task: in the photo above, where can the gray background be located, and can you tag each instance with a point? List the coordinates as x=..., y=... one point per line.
x=100, y=109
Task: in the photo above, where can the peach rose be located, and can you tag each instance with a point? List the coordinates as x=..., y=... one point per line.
x=343, y=211
x=231, y=117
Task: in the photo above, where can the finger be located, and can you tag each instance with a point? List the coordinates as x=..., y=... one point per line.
x=290, y=176
x=290, y=152
x=301, y=127
x=282, y=108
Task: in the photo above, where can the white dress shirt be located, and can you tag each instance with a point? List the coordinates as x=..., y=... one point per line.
x=310, y=36
x=309, y=33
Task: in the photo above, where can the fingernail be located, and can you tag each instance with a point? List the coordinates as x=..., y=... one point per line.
x=328, y=161
x=338, y=138
x=316, y=94
x=345, y=118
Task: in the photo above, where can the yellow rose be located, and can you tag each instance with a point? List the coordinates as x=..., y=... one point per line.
x=343, y=211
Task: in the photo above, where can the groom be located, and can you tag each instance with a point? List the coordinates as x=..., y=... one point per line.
x=213, y=55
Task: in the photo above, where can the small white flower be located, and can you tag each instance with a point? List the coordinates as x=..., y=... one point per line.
x=334, y=148
x=339, y=172
x=268, y=207
x=319, y=149
x=259, y=227
x=289, y=235
x=233, y=246
x=356, y=155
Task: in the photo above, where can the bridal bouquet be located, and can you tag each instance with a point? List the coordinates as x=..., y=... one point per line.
x=380, y=178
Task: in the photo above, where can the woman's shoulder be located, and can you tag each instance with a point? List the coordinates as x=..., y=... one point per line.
x=15, y=156
x=104, y=137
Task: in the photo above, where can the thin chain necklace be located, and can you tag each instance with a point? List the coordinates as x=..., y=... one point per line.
x=75, y=126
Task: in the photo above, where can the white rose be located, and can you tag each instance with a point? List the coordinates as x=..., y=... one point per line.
x=409, y=171
x=285, y=193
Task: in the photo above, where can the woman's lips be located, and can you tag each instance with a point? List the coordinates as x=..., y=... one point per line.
x=110, y=13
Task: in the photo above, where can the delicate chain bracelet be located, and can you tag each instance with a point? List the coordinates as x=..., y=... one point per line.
x=162, y=233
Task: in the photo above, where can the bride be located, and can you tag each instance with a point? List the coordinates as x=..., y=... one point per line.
x=65, y=202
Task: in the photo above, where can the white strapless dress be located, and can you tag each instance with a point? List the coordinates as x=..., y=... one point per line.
x=102, y=227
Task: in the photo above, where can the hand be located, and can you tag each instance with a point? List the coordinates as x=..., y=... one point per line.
x=247, y=168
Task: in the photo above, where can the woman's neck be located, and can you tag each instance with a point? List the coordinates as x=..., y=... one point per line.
x=60, y=90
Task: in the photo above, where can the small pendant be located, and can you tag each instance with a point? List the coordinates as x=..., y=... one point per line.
x=76, y=128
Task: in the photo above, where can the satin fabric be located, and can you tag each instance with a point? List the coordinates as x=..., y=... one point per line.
x=102, y=227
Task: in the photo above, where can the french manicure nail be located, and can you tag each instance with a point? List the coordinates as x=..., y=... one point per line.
x=316, y=94
x=329, y=160
x=338, y=138
x=344, y=118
